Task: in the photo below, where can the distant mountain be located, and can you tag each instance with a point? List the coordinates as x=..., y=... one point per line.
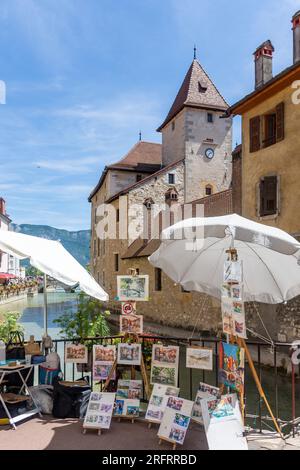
x=77, y=243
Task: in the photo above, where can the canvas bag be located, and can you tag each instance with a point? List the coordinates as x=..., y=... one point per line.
x=32, y=347
x=15, y=347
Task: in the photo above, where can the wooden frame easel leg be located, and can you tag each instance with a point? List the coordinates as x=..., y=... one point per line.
x=259, y=386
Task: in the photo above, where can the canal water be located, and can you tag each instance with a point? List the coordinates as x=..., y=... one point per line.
x=32, y=320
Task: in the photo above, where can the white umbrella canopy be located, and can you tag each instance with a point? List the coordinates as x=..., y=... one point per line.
x=270, y=264
x=53, y=259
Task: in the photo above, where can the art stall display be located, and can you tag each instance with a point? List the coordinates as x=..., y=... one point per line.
x=232, y=367
x=223, y=423
x=164, y=367
x=128, y=308
x=129, y=354
x=76, y=354
x=158, y=402
x=132, y=389
x=131, y=324
x=175, y=420
x=204, y=391
x=99, y=411
x=127, y=408
x=199, y=358
x=103, y=360
x=133, y=288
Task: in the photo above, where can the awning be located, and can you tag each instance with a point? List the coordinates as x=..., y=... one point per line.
x=51, y=258
x=7, y=276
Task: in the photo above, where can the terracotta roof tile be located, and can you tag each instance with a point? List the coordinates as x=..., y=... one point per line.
x=197, y=90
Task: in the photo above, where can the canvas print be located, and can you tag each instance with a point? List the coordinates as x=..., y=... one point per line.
x=76, y=354
x=231, y=366
x=233, y=317
x=158, y=402
x=224, y=408
x=164, y=366
x=199, y=358
x=131, y=389
x=236, y=292
x=129, y=354
x=100, y=410
x=103, y=359
x=131, y=324
x=135, y=288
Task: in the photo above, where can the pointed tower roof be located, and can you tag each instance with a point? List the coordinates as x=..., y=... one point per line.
x=198, y=91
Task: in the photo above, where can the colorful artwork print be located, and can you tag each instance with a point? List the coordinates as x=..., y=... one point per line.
x=199, y=358
x=103, y=359
x=129, y=354
x=204, y=391
x=99, y=411
x=233, y=317
x=127, y=408
x=158, y=402
x=233, y=272
x=231, y=366
x=165, y=354
x=163, y=375
x=174, y=424
x=76, y=354
x=131, y=389
x=134, y=288
x=131, y=324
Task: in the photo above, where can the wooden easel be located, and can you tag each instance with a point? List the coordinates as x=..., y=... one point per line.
x=232, y=252
x=85, y=428
x=161, y=439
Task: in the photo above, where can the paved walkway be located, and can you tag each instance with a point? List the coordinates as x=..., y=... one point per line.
x=52, y=434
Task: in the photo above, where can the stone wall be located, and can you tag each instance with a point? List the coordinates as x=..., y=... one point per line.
x=200, y=171
x=173, y=139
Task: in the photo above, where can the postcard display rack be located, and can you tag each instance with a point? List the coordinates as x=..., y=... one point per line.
x=234, y=326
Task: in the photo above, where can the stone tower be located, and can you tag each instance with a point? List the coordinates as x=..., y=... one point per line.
x=196, y=132
x=296, y=36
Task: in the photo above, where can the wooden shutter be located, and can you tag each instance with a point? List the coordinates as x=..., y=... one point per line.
x=268, y=196
x=280, y=122
x=255, y=134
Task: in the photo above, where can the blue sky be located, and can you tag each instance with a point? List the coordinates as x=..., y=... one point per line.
x=84, y=76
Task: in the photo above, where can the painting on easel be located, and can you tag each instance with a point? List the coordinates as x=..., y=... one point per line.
x=232, y=366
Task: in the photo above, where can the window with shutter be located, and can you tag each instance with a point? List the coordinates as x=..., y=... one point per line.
x=268, y=196
x=255, y=134
x=280, y=122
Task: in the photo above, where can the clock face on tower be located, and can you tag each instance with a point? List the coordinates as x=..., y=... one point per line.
x=209, y=153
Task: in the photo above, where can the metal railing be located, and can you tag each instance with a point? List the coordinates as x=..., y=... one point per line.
x=271, y=363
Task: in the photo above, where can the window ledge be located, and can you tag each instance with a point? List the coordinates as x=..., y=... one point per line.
x=269, y=217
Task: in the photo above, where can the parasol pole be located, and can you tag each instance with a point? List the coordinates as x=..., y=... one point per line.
x=45, y=306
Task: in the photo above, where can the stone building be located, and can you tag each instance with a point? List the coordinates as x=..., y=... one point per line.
x=193, y=165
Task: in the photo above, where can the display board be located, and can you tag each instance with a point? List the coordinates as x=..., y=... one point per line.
x=103, y=360
x=164, y=366
x=99, y=411
x=223, y=423
x=158, y=402
x=176, y=420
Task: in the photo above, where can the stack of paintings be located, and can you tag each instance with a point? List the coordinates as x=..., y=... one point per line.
x=204, y=391
x=103, y=360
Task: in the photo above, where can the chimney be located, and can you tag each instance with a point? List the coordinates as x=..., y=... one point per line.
x=2, y=206
x=263, y=58
x=296, y=34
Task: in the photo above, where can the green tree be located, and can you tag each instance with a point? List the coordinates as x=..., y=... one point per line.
x=89, y=320
x=10, y=324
